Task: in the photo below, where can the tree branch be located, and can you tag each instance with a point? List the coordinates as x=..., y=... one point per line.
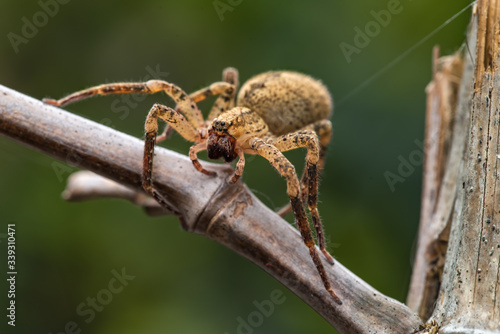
x=228, y=214
x=469, y=300
x=448, y=97
x=460, y=216
x=85, y=185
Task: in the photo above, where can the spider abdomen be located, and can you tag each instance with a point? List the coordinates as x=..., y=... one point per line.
x=286, y=101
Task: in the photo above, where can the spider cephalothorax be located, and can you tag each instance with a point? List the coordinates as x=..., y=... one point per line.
x=275, y=112
x=232, y=130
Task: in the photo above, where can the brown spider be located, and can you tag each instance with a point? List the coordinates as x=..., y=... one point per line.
x=276, y=112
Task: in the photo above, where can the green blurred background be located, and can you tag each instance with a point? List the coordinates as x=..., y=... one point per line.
x=185, y=283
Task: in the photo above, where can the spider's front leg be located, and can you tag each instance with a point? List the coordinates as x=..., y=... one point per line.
x=285, y=168
x=309, y=184
x=323, y=129
x=181, y=125
x=185, y=104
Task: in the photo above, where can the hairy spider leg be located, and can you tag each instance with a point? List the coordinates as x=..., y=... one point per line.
x=323, y=129
x=176, y=120
x=240, y=165
x=194, y=159
x=286, y=169
x=185, y=104
x=309, y=139
x=181, y=125
x=225, y=101
x=231, y=75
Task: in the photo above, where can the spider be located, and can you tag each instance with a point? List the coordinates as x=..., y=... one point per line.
x=275, y=112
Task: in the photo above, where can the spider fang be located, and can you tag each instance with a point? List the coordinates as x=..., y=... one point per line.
x=221, y=146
